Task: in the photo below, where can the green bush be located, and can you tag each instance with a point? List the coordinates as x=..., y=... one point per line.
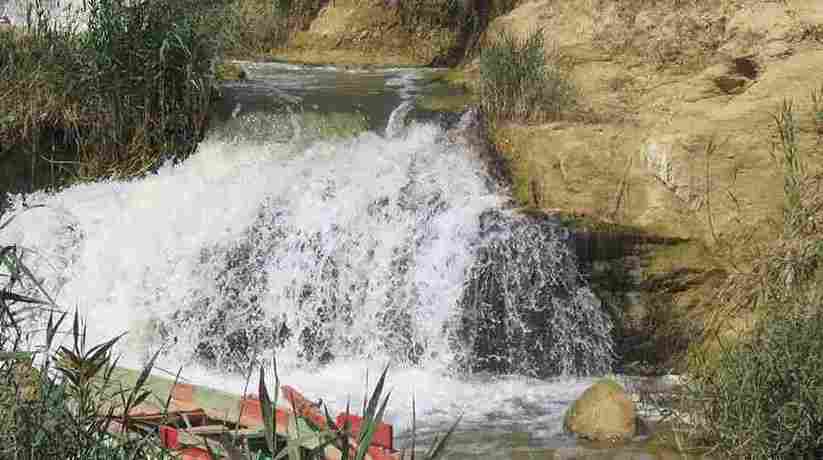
x=764, y=399
x=518, y=81
x=114, y=99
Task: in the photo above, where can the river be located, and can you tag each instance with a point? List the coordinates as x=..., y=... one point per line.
x=331, y=222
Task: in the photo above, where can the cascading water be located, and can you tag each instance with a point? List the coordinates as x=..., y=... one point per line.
x=337, y=255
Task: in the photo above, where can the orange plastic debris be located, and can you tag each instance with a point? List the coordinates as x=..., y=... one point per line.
x=383, y=435
x=307, y=409
x=303, y=406
x=194, y=453
x=168, y=437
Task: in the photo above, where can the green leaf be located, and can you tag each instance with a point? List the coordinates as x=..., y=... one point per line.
x=438, y=448
x=36, y=282
x=146, y=372
x=171, y=392
x=52, y=328
x=269, y=418
x=369, y=428
x=375, y=397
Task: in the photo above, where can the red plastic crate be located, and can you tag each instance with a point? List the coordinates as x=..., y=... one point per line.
x=383, y=435
x=168, y=437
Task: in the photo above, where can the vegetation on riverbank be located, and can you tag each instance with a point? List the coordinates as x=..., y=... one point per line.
x=756, y=388
x=255, y=27
x=520, y=80
x=114, y=99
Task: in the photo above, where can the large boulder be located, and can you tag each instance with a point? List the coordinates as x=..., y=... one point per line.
x=604, y=412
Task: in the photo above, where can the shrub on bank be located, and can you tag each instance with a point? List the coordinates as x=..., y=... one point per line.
x=113, y=98
x=520, y=81
x=764, y=398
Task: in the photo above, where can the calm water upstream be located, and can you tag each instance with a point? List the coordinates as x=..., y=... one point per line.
x=321, y=221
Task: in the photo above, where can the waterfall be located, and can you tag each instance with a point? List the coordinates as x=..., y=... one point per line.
x=382, y=248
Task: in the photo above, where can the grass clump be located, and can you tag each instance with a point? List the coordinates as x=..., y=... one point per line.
x=765, y=396
x=519, y=81
x=113, y=99
x=423, y=15
x=320, y=432
x=57, y=404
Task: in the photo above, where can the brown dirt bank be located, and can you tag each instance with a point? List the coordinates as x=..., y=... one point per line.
x=363, y=32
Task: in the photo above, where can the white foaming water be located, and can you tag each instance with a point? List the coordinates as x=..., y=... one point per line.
x=62, y=11
x=397, y=119
x=344, y=255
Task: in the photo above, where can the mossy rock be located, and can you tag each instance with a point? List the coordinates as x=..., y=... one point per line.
x=229, y=71
x=604, y=412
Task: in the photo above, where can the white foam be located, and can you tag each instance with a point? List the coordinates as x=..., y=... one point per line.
x=133, y=254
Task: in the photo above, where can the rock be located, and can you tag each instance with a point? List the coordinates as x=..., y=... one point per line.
x=229, y=71
x=472, y=132
x=604, y=412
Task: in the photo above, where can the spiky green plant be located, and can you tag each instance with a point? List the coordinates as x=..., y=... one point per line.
x=307, y=440
x=789, y=157
x=520, y=81
x=761, y=396
x=57, y=404
x=764, y=399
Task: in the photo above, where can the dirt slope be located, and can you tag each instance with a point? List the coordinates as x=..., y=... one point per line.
x=660, y=82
